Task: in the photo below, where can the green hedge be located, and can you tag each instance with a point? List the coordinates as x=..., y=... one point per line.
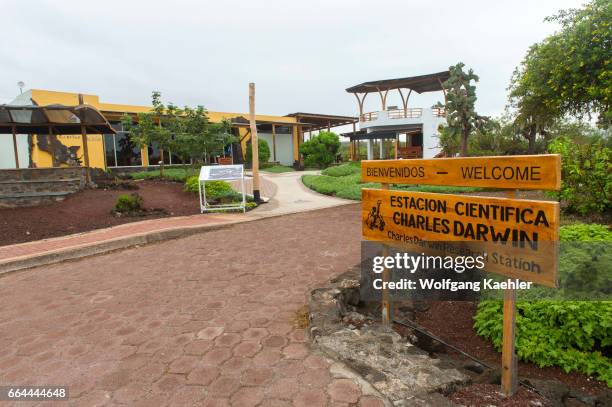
x=171, y=174
x=344, y=181
x=575, y=335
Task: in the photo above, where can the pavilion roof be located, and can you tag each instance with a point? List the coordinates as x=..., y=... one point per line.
x=32, y=119
x=322, y=121
x=422, y=83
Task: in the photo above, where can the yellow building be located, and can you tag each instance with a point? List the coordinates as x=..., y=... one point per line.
x=283, y=134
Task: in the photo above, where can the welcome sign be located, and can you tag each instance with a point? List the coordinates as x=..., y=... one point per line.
x=497, y=226
x=521, y=171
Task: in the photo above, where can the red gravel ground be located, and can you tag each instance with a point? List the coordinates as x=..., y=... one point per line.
x=91, y=209
x=490, y=395
x=458, y=331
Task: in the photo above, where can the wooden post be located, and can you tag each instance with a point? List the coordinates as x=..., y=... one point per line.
x=396, y=145
x=387, y=316
x=15, y=147
x=254, y=145
x=85, y=147
x=509, y=374
x=273, y=142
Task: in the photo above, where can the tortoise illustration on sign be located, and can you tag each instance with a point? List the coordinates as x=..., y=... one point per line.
x=374, y=220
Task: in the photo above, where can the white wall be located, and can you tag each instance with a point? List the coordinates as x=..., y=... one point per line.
x=428, y=120
x=7, y=154
x=284, y=147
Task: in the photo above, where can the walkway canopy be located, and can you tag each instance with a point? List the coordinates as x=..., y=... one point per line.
x=420, y=84
x=53, y=119
x=58, y=118
x=322, y=121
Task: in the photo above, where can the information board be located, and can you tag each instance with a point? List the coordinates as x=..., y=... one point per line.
x=518, y=236
x=221, y=172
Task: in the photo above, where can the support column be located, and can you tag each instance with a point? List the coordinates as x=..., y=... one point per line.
x=381, y=149
x=86, y=148
x=353, y=142
x=396, y=145
x=15, y=147
x=370, y=148
x=273, y=142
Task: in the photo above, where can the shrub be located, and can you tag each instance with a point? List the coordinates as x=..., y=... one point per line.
x=342, y=170
x=321, y=150
x=586, y=174
x=213, y=188
x=263, y=151
x=129, y=203
x=575, y=335
x=170, y=174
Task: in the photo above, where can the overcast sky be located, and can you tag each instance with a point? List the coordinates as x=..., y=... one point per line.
x=301, y=54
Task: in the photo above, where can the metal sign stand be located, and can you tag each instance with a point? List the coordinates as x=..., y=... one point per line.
x=220, y=173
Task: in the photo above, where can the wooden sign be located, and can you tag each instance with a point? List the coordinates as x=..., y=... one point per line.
x=517, y=235
x=405, y=217
x=514, y=172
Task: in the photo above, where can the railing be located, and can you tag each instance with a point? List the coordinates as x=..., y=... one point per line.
x=410, y=152
x=438, y=111
x=368, y=117
x=413, y=113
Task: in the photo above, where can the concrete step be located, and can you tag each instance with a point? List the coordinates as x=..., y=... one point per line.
x=39, y=186
x=32, y=198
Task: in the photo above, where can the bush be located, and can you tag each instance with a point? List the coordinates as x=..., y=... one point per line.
x=129, y=203
x=586, y=175
x=263, y=151
x=342, y=170
x=170, y=174
x=575, y=335
x=321, y=150
x=213, y=188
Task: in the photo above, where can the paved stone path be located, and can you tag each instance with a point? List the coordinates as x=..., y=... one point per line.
x=285, y=192
x=205, y=320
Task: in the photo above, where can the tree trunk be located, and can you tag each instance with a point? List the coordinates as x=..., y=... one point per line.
x=464, y=143
x=532, y=138
x=161, y=163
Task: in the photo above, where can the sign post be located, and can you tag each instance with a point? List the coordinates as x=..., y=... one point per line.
x=254, y=143
x=400, y=217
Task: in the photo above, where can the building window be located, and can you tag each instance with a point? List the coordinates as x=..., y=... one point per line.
x=120, y=150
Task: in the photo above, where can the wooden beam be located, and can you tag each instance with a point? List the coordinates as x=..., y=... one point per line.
x=396, y=145
x=85, y=147
x=15, y=147
x=360, y=102
x=254, y=143
x=383, y=98
x=509, y=379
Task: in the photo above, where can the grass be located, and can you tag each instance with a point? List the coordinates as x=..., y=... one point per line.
x=170, y=174
x=277, y=169
x=344, y=181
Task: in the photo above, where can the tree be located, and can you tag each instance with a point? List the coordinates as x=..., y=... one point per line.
x=151, y=128
x=569, y=72
x=321, y=150
x=461, y=115
x=197, y=138
x=263, y=150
